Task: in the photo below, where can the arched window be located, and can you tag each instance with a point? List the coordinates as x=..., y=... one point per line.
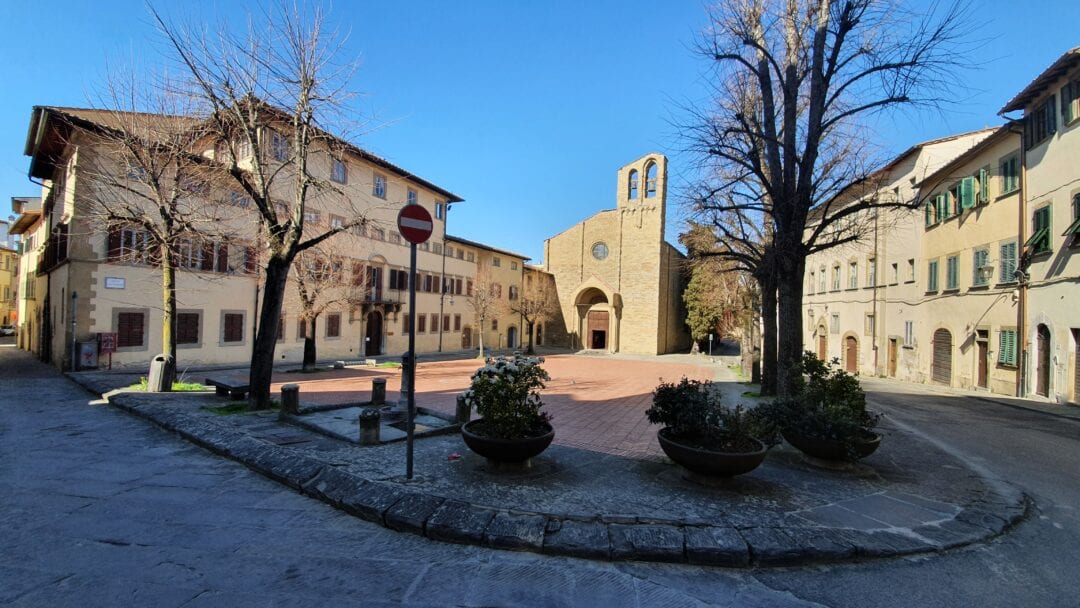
x=633, y=184
x=650, y=180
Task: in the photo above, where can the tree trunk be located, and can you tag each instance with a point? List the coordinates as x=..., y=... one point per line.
x=790, y=327
x=529, y=350
x=480, y=333
x=768, y=342
x=262, y=355
x=168, y=308
x=309, y=345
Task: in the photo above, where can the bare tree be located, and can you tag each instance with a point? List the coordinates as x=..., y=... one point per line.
x=269, y=99
x=483, y=301
x=795, y=84
x=144, y=184
x=325, y=279
x=536, y=302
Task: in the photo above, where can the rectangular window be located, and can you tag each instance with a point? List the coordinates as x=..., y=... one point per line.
x=911, y=270
x=333, y=325
x=279, y=146
x=868, y=328
x=836, y=277
x=232, y=327
x=1074, y=229
x=952, y=272
x=187, y=328
x=853, y=275
x=439, y=210
x=513, y=265
x=446, y=323
x=981, y=269
x=436, y=248
x=1040, y=231
x=909, y=333
x=1007, y=262
x=405, y=324
x=821, y=280
x=395, y=237
x=421, y=323
x=468, y=288
x=871, y=272
x=1070, y=106
x=1040, y=124
x=470, y=257
x=834, y=324
x=312, y=216
x=495, y=261
x=281, y=328
x=410, y=197
x=378, y=187
x=966, y=192
x=895, y=274
x=338, y=171
x=495, y=324
x=434, y=322
x=336, y=221
x=460, y=254
x=1007, y=347
x=984, y=186
x=811, y=283
x=1010, y=174
x=932, y=276
x=130, y=329
x=378, y=234
x=457, y=322
x=513, y=295
x=457, y=287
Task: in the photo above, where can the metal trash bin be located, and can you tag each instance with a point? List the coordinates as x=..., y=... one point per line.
x=162, y=372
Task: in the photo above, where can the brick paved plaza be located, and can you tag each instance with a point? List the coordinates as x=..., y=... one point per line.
x=596, y=403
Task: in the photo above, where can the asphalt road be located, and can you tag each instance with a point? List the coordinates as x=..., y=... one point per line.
x=101, y=509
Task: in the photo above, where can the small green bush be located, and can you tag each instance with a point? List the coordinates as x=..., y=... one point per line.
x=830, y=405
x=692, y=412
x=177, y=387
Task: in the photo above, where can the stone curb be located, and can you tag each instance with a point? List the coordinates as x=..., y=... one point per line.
x=615, y=538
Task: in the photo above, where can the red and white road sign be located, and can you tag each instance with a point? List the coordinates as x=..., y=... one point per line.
x=415, y=223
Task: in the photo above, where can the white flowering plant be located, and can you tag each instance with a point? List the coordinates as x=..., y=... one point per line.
x=506, y=395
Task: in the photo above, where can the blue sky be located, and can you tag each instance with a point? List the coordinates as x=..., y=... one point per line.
x=525, y=109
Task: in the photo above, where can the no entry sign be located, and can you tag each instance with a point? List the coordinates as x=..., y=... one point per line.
x=414, y=223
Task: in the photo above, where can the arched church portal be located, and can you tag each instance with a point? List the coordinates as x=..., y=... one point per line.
x=596, y=320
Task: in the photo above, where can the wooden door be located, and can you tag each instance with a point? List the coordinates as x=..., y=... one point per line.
x=893, y=355
x=1042, y=370
x=851, y=354
x=597, y=329
x=982, y=352
x=466, y=338
x=941, y=369
x=373, y=335
x=822, y=347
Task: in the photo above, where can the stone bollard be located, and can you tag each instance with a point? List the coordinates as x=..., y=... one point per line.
x=369, y=426
x=290, y=399
x=406, y=375
x=378, y=391
x=464, y=410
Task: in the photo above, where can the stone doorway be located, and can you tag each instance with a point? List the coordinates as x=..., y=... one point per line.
x=597, y=329
x=1042, y=367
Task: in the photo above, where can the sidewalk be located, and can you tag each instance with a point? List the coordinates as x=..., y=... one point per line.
x=1068, y=411
x=595, y=502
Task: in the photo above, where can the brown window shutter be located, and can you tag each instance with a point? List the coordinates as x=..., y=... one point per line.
x=114, y=242
x=207, y=262
x=249, y=260
x=222, y=257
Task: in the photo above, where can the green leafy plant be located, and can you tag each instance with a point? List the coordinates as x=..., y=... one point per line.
x=506, y=395
x=830, y=405
x=692, y=413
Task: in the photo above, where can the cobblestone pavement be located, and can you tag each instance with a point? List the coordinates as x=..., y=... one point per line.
x=99, y=508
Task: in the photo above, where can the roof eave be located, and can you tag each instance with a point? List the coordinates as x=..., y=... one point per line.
x=1036, y=87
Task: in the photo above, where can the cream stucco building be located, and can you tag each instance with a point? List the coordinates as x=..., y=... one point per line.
x=619, y=282
x=1049, y=233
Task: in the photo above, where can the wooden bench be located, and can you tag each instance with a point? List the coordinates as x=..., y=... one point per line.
x=233, y=390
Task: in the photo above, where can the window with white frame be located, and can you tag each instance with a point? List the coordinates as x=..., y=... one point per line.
x=338, y=171
x=853, y=275
x=439, y=206
x=378, y=186
x=495, y=261
x=1010, y=173
x=834, y=323
x=836, y=277
x=279, y=146
x=909, y=333
x=871, y=272
x=410, y=197
x=981, y=269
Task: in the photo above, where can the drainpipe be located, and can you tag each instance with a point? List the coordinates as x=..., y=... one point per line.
x=1021, y=307
x=442, y=287
x=74, y=345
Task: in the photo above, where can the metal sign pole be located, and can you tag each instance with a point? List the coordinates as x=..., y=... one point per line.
x=411, y=394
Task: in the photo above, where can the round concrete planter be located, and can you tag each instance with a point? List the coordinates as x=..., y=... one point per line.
x=506, y=450
x=830, y=449
x=708, y=462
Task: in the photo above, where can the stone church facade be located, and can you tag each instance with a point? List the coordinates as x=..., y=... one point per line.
x=619, y=282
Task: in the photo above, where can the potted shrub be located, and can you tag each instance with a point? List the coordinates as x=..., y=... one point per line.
x=505, y=393
x=704, y=436
x=828, y=418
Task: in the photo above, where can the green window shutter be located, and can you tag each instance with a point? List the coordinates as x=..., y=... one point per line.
x=932, y=277
x=984, y=185
x=1003, y=348
x=967, y=192
x=1008, y=262
x=939, y=207
x=1011, y=356
x=1066, y=102
x=929, y=213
